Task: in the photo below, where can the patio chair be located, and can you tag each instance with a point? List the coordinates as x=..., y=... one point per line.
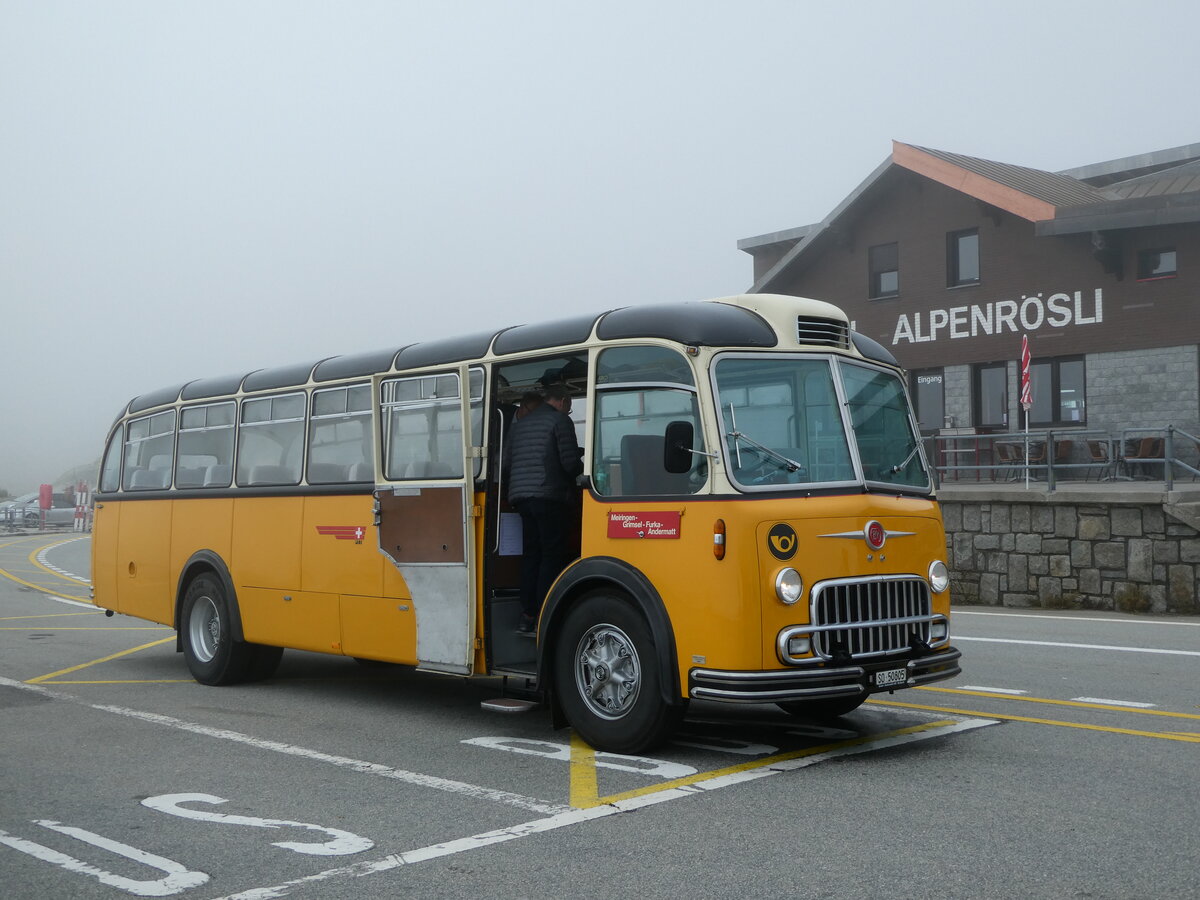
x=1102, y=460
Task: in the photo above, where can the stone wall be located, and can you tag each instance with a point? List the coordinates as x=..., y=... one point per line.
x=1133, y=553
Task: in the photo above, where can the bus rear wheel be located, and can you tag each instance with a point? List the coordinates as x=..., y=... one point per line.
x=822, y=709
x=213, y=656
x=607, y=676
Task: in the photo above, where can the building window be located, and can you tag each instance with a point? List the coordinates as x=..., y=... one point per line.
x=928, y=388
x=883, y=261
x=1059, y=392
x=1154, y=264
x=991, y=395
x=962, y=257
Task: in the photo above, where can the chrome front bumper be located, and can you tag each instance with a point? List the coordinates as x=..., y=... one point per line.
x=818, y=681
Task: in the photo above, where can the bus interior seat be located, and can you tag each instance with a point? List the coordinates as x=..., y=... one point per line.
x=361, y=471
x=217, y=476
x=262, y=475
x=428, y=469
x=150, y=479
x=642, y=469
x=326, y=473
x=189, y=477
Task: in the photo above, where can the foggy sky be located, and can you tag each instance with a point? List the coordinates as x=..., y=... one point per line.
x=190, y=189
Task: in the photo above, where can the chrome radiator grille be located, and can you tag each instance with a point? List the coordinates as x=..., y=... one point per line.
x=869, y=617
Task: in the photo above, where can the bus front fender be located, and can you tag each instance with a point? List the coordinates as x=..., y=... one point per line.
x=605, y=572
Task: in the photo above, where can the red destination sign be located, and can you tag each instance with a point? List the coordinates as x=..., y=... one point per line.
x=661, y=525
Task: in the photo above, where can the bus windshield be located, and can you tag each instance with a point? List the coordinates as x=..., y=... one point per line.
x=782, y=423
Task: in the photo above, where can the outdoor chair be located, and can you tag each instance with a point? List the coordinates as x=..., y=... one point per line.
x=1102, y=460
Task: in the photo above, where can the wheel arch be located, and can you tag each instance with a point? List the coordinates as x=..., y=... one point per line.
x=199, y=563
x=596, y=572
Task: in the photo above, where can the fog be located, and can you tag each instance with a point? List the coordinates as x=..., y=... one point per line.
x=191, y=189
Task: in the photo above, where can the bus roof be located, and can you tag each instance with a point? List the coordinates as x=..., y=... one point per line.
x=743, y=320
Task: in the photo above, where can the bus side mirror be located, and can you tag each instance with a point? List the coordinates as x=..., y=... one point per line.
x=677, y=447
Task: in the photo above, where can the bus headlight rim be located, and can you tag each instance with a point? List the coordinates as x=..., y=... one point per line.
x=789, y=586
x=939, y=576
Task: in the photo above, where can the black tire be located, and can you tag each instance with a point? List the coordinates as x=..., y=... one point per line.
x=205, y=624
x=606, y=673
x=823, y=709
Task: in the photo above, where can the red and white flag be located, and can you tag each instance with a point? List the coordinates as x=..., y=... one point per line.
x=1026, y=386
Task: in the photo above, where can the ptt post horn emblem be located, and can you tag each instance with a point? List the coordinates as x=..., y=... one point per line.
x=781, y=541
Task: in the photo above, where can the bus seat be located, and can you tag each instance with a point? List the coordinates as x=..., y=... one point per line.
x=642, y=469
x=428, y=469
x=217, y=476
x=326, y=473
x=361, y=471
x=189, y=477
x=160, y=461
x=150, y=479
x=260, y=475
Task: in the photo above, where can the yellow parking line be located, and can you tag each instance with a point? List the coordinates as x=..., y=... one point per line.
x=38, y=587
x=101, y=628
x=584, y=793
x=1164, y=735
x=42, y=678
x=90, y=612
x=1076, y=703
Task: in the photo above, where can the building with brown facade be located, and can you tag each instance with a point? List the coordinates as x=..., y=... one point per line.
x=948, y=260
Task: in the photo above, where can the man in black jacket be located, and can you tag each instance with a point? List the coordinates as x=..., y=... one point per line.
x=542, y=458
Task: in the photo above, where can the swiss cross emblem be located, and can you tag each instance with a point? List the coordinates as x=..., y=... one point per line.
x=343, y=532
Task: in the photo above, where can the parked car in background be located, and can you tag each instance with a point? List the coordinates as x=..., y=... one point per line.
x=13, y=511
x=27, y=512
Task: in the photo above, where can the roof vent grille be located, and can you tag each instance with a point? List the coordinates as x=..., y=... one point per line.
x=824, y=332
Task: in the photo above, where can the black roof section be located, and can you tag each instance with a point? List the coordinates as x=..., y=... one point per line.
x=203, y=388
x=446, y=350
x=524, y=338
x=355, y=365
x=704, y=324
x=282, y=376
x=156, y=398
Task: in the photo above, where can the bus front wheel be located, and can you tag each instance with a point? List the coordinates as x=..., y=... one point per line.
x=213, y=656
x=607, y=676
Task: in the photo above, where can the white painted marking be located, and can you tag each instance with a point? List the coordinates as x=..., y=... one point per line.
x=41, y=558
x=990, y=690
x=177, y=879
x=57, y=599
x=741, y=748
x=639, y=765
x=343, y=843
x=1080, y=646
x=355, y=765
x=1133, y=703
x=1130, y=621
x=578, y=816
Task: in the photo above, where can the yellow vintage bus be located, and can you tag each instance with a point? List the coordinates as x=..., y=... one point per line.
x=756, y=523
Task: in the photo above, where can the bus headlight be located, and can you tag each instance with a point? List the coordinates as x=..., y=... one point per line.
x=939, y=576
x=788, y=586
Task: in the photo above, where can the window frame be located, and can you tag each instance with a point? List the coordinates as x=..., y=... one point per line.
x=977, y=371
x=1055, y=363
x=954, y=258
x=876, y=272
x=1144, y=255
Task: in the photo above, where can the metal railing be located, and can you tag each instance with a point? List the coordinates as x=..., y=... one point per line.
x=1048, y=457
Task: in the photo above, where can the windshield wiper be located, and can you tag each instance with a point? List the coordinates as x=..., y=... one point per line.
x=896, y=468
x=790, y=464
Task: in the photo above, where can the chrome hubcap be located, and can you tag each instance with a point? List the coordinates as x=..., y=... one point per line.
x=608, y=673
x=204, y=628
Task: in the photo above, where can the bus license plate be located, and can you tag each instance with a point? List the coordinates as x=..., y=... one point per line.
x=888, y=677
